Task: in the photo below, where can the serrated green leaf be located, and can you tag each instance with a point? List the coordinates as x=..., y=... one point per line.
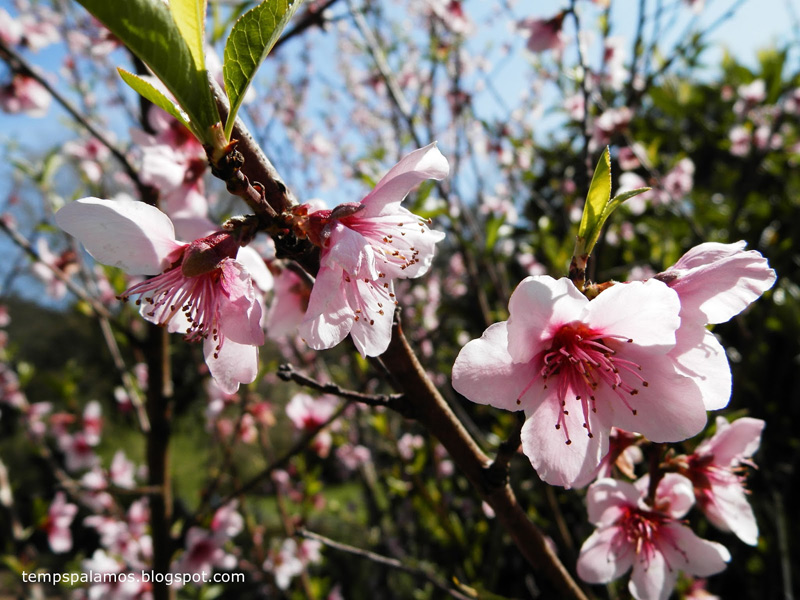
x=249, y=43
x=190, y=17
x=153, y=94
x=147, y=28
x=616, y=201
x=596, y=201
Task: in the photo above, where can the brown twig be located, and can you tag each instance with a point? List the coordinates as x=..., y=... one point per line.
x=286, y=372
x=421, y=572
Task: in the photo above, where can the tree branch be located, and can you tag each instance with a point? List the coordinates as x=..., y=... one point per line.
x=423, y=573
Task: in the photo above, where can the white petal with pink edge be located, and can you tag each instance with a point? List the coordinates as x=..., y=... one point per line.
x=131, y=235
x=413, y=169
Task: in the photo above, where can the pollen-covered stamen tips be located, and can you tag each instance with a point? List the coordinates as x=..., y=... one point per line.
x=190, y=286
x=582, y=359
x=396, y=249
x=643, y=532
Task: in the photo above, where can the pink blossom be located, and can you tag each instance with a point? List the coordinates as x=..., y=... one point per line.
x=59, y=518
x=285, y=564
x=652, y=540
x=227, y=522
x=353, y=457
x=203, y=553
x=714, y=282
x=611, y=122
x=408, y=444
x=578, y=367
x=451, y=13
x=66, y=262
x=716, y=470
x=200, y=289
x=78, y=452
x=24, y=95
x=39, y=28
x=307, y=413
x=754, y=92
x=10, y=29
x=92, y=421
x=365, y=247
x=105, y=581
x=543, y=34
x=740, y=140
x=122, y=471
x=575, y=106
x=680, y=180
x=90, y=154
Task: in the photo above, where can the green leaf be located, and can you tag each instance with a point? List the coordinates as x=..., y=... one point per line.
x=147, y=28
x=251, y=39
x=153, y=94
x=596, y=201
x=190, y=17
x=616, y=201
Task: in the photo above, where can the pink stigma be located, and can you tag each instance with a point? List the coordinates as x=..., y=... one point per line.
x=580, y=360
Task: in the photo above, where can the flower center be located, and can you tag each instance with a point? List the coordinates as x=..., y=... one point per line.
x=172, y=291
x=638, y=529
x=580, y=360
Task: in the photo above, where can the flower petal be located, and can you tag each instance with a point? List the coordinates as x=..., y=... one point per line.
x=372, y=332
x=600, y=560
x=538, y=306
x=555, y=461
x=413, y=169
x=669, y=409
x=720, y=280
x=329, y=316
x=232, y=364
x=251, y=260
x=652, y=579
x=644, y=311
x=699, y=355
x=485, y=373
x=351, y=251
x=607, y=498
x=729, y=510
x=733, y=441
x=131, y=235
x=239, y=312
x=685, y=551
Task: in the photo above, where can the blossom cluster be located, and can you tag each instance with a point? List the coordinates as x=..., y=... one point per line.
x=208, y=289
x=637, y=357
